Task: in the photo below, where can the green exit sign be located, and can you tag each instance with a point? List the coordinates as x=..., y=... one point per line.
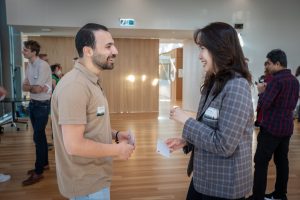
x=127, y=22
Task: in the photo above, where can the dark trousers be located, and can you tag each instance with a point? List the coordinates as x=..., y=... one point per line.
x=267, y=145
x=194, y=195
x=39, y=112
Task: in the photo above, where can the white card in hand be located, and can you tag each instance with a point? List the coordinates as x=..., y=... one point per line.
x=162, y=148
x=131, y=139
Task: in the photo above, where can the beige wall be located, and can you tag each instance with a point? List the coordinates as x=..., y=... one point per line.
x=136, y=57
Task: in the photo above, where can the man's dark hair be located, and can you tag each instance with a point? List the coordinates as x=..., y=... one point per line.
x=33, y=46
x=277, y=55
x=86, y=37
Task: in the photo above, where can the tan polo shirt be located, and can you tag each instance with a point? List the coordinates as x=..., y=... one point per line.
x=78, y=99
x=39, y=73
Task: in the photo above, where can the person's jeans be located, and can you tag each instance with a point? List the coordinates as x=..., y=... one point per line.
x=39, y=112
x=267, y=145
x=103, y=194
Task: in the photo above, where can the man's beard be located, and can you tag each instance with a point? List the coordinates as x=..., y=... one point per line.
x=103, y=65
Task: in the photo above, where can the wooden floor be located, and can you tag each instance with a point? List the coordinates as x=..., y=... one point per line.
x=146, y=176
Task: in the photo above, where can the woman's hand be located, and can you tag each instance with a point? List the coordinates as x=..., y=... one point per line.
x=175, y=143
x=178, y=115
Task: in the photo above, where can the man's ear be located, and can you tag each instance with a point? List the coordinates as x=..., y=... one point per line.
x=278, y=63
x=88, y=51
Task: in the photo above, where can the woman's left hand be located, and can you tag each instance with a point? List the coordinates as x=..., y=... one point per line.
x=175, y=143
x=178, y=115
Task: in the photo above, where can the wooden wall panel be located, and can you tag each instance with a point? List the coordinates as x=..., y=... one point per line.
x=179, y=65
x=136, y=57
x=176, y=86
x=59, y=50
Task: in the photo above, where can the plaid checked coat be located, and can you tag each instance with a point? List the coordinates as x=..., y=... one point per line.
x=222, y=140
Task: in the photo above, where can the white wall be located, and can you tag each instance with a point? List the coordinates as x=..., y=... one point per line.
x=193, y=76
x=268, y=24
x=153, y=14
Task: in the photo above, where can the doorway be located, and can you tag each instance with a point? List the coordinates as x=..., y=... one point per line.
x=170, y=84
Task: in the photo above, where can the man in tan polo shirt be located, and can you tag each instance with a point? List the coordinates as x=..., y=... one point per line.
x=81, y=122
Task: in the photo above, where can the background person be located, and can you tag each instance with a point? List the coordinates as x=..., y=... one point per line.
x=38, y=82
x=277, y=104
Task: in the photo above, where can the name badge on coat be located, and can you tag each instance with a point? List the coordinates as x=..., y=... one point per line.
x=212, y=113
x=100, y=110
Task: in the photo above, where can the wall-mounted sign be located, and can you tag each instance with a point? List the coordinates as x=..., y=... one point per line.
x=127, y=22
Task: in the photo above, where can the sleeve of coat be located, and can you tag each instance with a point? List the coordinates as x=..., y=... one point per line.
x=234, y=115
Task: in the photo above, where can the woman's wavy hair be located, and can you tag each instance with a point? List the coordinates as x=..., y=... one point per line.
x=222, y=42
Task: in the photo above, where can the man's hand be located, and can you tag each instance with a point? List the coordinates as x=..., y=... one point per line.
x=125, y=150
x=261, y=87
x=126, y=136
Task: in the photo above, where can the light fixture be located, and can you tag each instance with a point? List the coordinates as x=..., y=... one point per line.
x=144, y=77
x=130, y=78
x=155, y=82
x=239, y=27
x=241, y=40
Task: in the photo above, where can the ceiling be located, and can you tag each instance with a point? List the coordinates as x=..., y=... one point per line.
x=163, y=35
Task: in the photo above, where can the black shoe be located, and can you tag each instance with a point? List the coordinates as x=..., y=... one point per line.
x=273, y=196
x=50, y=144
x=32, y=171
x=34, y=178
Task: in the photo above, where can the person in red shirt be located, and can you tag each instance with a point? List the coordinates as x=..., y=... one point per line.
x=277, y=103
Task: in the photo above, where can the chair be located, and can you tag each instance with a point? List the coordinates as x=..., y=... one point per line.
x=13, y=117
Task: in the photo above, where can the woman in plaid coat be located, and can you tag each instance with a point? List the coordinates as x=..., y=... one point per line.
x=220, y=138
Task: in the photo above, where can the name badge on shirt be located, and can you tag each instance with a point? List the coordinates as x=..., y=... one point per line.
x=100, y=110
x=212, y=113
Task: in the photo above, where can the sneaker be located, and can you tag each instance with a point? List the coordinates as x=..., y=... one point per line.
x=273, y=196
x=4, y=178
x=33, y=178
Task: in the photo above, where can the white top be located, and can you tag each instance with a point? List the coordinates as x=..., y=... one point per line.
x=39, y=73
